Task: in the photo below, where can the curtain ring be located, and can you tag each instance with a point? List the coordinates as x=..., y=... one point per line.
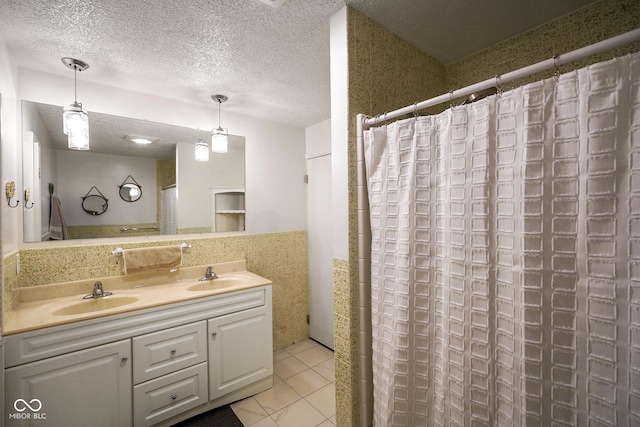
x=385, y=118
x=556, y=72
x=415, y=109
x=498, y=84
x=451, y=99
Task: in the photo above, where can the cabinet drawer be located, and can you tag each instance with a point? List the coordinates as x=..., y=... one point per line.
x=163, y=352
x=170, y=395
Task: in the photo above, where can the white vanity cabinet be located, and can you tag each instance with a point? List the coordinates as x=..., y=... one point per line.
x=87, y=387
x=170, y=373
x=155, y=366
x=237, y=350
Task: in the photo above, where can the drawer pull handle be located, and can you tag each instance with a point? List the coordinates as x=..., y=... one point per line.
x=214, y=335
x=173, y=351
x=174, y=396
x=124, y=359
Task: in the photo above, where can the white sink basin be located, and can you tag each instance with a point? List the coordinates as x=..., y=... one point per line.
x=93, y=305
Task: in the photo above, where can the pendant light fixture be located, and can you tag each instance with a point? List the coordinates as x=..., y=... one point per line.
x=202, y=151
x=75, y=121
x=219, y=135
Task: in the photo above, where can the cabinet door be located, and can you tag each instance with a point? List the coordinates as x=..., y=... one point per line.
x=87, y=387
x=240, y=350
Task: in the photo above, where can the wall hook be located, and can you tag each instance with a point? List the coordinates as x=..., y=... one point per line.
x=27, y=196
x=10, y=191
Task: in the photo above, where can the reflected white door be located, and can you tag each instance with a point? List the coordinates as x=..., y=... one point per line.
x=319, y=252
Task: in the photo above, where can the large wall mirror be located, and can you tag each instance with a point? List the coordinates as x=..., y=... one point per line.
x=181, y=195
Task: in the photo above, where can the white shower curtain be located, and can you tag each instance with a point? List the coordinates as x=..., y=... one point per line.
x=506, y=257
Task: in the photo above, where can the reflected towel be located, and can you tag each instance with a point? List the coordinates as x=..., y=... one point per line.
x=152, y=259
x=57, y=226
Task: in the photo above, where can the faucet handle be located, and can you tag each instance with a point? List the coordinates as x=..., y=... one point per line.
x=97, y=288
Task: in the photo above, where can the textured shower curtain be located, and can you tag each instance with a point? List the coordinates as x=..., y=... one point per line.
x=506, y=257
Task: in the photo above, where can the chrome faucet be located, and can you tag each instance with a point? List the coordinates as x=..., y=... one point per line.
x=97, y=291
x=209, y=275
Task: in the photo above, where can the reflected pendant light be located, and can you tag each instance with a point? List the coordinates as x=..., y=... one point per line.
x=202, y=151
x=219, y=135
x=75, y=121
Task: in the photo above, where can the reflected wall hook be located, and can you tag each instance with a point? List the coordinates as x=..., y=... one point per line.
x=10, y=191
x=27, y=196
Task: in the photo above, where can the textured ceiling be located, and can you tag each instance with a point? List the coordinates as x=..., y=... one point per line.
x=271, y=62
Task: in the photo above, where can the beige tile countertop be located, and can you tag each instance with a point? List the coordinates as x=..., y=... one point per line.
x=61, y=303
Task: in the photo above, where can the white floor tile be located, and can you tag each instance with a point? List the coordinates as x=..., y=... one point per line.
x=326, y=423
x=301, y=346
x=300, y=414
x=280, y=354
x=265, y=422
x=315, y=355
x=327, y=369
x=307, y=382
x=249, y=411
x=288, y=367
x=277, y=397
x=324, y=400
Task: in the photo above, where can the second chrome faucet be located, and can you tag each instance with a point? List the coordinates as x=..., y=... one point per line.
x=209, y=275
x=98, y=292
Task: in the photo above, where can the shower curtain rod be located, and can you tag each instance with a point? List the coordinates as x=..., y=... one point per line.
x=498, y=80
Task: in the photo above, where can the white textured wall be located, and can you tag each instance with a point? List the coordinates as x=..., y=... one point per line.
x=81, y=170
x=9, y=138
x=275, y=153
x=339, y=134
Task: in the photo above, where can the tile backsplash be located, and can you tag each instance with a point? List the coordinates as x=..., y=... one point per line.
x=280, y=257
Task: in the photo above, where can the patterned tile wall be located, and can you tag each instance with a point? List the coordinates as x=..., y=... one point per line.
x=9, y=297
x=280, y=257
x=595, y=22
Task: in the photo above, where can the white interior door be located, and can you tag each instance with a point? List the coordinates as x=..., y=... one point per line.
x=320, y=255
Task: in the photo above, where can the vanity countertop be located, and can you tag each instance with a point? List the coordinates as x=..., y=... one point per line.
x=61, y=303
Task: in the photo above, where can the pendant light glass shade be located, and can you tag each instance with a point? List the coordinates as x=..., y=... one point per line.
x=202, y=151
x=219, y=140
x=75, y=121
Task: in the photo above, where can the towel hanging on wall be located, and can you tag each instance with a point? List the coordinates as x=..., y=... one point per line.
x=152, y=259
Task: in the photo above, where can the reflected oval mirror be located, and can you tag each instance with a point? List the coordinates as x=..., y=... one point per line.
x=94, y=204
x=130, y=192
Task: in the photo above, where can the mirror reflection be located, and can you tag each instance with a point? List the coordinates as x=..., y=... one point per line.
x=130, y=192
x=95, y=204
x=180, y=193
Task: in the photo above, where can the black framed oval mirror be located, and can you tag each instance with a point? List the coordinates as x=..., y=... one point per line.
x=130, y=190
x=95, y=204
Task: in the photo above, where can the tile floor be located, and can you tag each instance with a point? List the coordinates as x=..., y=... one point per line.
x=303, y=392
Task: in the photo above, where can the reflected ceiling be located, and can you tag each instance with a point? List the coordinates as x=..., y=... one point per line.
x=108, y=134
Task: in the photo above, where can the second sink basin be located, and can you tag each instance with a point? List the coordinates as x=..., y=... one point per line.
x=221, y=282
x=92, y=305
